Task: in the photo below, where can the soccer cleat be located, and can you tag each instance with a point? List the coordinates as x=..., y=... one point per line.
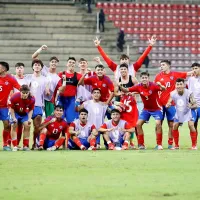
x=98, y=146
x=92, y=148
x=194, y=148
x=15, y=149
x=40, y=148
x=111, y=146
x=132, y=146
x=7, y=148
x=176, y=148
x=124, y=147
x=25, y=149
x=141, y=147
x=159, y=147
x=82, y=147
x=53, y=148
x=171, y=147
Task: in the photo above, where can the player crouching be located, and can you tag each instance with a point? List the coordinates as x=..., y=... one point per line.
x=83, y=134
x=21, y=110
x=54, y=131
x=116, y=132
x=185, y=111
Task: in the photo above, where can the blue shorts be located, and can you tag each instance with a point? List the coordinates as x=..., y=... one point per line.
x=73, y=146
x=48, y=143
x=169, y=112
x=145, y=115
x=198, y=113
x=4, y=114
x=68, y=104
x=20, y=118
x=37, y=111
x=117, y=144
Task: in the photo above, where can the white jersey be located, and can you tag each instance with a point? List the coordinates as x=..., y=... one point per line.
x=37, y=88
x=131, y=71
x=96, y=112
x=84, y=131
x=194, y=86
x=183, y=112
x=21, y=81
x=53, y=80
x=116, y=134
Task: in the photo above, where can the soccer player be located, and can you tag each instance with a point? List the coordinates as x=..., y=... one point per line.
x=149, y=95
x=116, y=132
x=51, y=74
x=168, y=78
x=194, y=86
x=54, y=131
x=68, y=90
x=21, y=110
x=185, y=105
x=39, y=86
x=83, y=133
x=7, y=83
x=132, y=68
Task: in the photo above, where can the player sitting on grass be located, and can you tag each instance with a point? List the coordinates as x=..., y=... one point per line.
x=83, y=134
x=185, y=105
x=149, y=95
x=21, y=110
x=116, y=132
x=54, y=131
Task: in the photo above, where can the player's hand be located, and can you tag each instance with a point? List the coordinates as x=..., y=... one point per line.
x=111, y=129
x=97, y=42
x=53, y=120
x=87, y=71
x=98, y=60
x=152, y=40
x=44, y=47
x=29, y=121
x=168, y=105
x=191, y=73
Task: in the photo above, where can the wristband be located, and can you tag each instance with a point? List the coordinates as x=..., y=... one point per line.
x=77, y=103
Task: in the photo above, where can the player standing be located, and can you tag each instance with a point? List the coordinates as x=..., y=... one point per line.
x=168, y=78
x=185, y=105
x=21, y=110
x=7, y=83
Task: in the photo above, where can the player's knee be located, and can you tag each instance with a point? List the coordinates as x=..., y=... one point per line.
x=175, y=126
x=6, y=126
x=191, y=127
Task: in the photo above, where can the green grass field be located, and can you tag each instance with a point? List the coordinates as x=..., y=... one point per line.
x=106, y=175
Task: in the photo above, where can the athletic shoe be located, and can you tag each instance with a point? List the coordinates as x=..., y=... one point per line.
x=194, y=148
x=141, y=147
x=132, y=146
x=159, y=147
x=171, y=147
x=40, y=148
x=111, y=146
x=53, y=148
x=98, y=146
x=7, y=148
x=26, y=149
x=124, y=147
x=15, y=149
x=83, y=147
x=176, y=148
x=92, y=148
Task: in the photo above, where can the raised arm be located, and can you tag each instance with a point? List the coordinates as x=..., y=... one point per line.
x=112, y=65
x=36, y=54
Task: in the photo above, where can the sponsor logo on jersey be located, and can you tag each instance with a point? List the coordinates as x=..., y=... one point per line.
x=171, y=77
x=6, y=83
x=150, y=92
x=60, y=127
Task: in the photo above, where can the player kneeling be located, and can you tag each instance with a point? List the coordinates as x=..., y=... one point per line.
x=21, y=110
x=51, y=129
x=83, y=134
x=185, y=105
x=116, y=132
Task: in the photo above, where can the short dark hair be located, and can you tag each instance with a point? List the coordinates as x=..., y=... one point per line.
x=53, y=58
x=71, y=58
x=24, y=88
x=144, y=74
x=83, y=110
x=99, y=66
x=96, y=89
x=114, y=111
x=123, y=65
x=82, y=59
x=195, y=65
x=166, y=61
x=37, y=61
x=5, y=64
x=124, y=56
x=179, y=80
x=19, y=64
x=59, y=106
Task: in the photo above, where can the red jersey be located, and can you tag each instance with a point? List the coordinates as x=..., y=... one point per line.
x=7, y=84
x=148, y=94
x=71, y=83
x=130, y=114
x=169, y=81
x=56, y=128
x=105, y=85
x=22, y=106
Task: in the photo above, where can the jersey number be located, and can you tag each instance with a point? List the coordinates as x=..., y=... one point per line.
x=127, y=103
x=168, y=84
x=1, y=88
x=55, y=131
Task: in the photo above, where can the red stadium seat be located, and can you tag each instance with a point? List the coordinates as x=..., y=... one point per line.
x=118, y=5
x=99, y=5
x=112, y=5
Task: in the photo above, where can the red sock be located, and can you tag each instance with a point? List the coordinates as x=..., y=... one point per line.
x=141, y=139
x=77, y=141
x=170, y=141
x=42, y=138
x=193, y=136
x=6, y=137
x=59, y=142
x=19, y=133
x=26, y=142
x=93, y=142
x=176, y=137
x=14, y=142
x=159, y=138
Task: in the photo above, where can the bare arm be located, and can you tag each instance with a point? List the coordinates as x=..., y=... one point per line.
x=162, y=87
x=110, y=98
x=44, y=125
x=103, y=130
x=12, y=112
x=72, y=131
x=36, y=54
x=169, y=102
x=192, y=102
x=94, y=132
x=30, y=116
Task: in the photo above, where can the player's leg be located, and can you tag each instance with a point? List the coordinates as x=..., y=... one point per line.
x=58, y=143
x=108, y=142
x=42, y=138
x=126, y=139
x=36, y=124
x=77, y=142
x=19, y=133
x=196, y=121
x=92, y=141
x=193, y=135
x=14, y=135
x=176, y=134
x=26, y=135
